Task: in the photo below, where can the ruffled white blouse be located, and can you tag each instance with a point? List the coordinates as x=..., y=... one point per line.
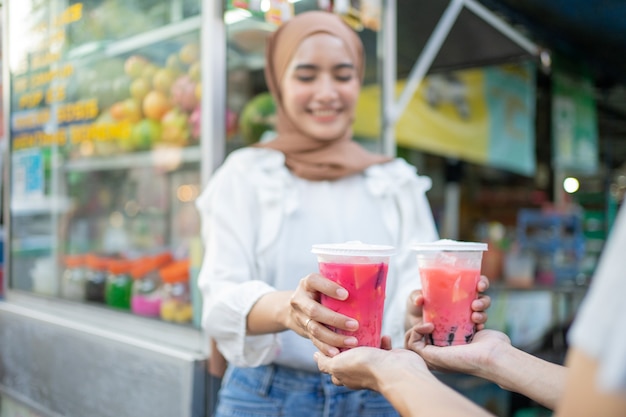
x=259, y=222
x=599, y=328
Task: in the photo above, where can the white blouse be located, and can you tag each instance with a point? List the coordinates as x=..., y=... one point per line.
x=259, y=223
x=599, y=328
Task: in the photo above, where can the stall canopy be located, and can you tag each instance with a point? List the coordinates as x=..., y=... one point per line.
x=477, y=37
x=593, y=32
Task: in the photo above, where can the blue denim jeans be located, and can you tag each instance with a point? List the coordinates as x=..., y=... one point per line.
x=273, y=390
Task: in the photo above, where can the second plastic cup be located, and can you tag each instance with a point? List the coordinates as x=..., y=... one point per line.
x=449, y=272
x=362, y=270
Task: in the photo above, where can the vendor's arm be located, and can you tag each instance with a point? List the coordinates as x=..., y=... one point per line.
x=491, y=356
x=402, y=377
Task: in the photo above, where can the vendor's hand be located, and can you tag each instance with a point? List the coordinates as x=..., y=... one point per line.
x=310, y=319
x=479, y=306
x=469, y=359
x=367, y=367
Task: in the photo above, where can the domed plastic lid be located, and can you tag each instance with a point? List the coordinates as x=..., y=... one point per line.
x=353, y=248
x=449, y=245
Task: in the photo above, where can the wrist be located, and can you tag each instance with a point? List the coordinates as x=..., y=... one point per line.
x=501, y=365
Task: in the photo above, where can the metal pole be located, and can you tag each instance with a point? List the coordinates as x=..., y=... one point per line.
x=213, y=116
x=6, y=146
x=427, y=57
x=499, y=24
x=387, y=58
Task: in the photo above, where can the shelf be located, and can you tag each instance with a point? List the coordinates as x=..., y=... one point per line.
x=39, y=205
x=34, y=245
x=168, y=158
x=128, y=45
x=562, y=288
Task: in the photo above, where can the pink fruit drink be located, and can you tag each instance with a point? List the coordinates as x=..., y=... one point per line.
x=448, y=295
x=365, y=284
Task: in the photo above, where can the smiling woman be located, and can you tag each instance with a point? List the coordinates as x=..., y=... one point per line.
x=269, y=203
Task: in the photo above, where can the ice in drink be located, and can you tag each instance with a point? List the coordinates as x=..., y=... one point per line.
x=449, y=272
x=362, y=270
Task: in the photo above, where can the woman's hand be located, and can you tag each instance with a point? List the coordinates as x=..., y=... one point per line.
x=480, y=305
x=310, y=319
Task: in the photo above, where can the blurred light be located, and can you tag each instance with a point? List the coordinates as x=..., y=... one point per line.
x=131, y=208
x=187, y=193
x=116, y=219
x=571, y=185
x=265, y=6
x=236, y=15
x=546, y=59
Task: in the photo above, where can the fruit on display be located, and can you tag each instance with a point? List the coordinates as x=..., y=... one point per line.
x=194, y=121
x=174, y=63
x=163, y=79
x=106, y=147
x=134, y=65
x=257, y=117
x=152, y=96
x=139, y=88
x=155, y=105
x=128, y=110
x=184, y=93
x=175, y=127
x=145, y=134
x=194, y=71
x=190, y=53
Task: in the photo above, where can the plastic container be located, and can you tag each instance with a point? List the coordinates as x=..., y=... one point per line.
x=362, y=270
x=119, y=284
x=146, y=293
x=95, y=277
x=176, y=305
x=449, y=272
x=73, y=278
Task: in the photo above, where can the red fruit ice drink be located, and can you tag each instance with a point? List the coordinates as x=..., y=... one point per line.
x=449, y=272
x=448, y=295
x=362, y=270
x=366, y=288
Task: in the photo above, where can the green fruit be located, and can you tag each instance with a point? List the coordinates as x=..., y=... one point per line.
x=145, y=133
x=257, y=117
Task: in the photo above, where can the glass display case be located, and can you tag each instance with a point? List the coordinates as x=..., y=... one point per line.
x=105, y=127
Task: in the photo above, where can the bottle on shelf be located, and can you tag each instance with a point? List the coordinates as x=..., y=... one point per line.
x=176, y=305
x=119, y=284
x=147, y=286
x=95, y=277
x=73, y=278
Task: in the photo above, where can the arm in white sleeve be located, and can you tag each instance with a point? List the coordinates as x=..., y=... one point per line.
x=228, y=279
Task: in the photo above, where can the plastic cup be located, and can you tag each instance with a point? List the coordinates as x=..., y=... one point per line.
x=362, y=270
x=449, y=272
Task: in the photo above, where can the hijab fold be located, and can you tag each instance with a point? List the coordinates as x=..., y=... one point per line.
x=306, y=156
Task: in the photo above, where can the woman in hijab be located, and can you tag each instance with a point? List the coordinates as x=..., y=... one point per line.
x=268, y=204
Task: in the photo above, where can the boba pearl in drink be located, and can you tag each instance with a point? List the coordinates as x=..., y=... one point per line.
x=449, y=272
x=362, y=270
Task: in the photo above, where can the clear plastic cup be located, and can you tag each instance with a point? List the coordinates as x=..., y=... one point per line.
x=449, y=272
x=362, y=270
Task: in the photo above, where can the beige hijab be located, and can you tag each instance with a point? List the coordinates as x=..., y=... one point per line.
x=306, y=156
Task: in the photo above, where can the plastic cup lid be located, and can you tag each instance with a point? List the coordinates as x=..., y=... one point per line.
x=353, y=248
x=449, y=245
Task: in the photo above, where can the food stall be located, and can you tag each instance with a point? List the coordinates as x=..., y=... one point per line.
x=117, y=114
